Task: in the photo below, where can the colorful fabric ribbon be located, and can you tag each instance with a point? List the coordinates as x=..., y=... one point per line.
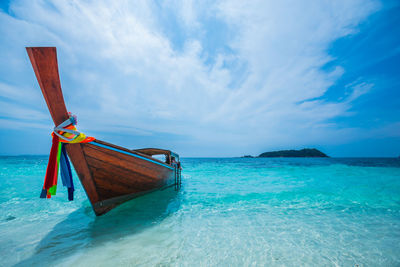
x=68, y=133
x=64, y=133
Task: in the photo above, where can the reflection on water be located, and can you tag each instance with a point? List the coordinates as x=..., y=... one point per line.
x=135, y=215
x=82, y=229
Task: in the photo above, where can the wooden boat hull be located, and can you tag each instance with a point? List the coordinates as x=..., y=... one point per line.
x=119, y=177
x=109, y=174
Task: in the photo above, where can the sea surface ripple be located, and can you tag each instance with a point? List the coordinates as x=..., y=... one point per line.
x=229, y=212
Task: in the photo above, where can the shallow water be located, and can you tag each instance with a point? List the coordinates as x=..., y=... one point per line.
x=229, y=212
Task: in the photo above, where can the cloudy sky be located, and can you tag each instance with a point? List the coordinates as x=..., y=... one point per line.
x=208, y=78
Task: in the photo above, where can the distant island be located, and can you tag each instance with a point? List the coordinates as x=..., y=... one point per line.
x=302, y=153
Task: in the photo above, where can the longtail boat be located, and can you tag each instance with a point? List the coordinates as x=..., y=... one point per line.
x=110, y=174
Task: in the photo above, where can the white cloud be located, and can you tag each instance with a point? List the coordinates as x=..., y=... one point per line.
x=119, y=67
x=358, y=89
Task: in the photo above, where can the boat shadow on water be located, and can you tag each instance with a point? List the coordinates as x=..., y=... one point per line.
x=82, y=229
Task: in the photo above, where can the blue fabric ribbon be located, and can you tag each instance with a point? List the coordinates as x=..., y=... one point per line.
x=66, y=173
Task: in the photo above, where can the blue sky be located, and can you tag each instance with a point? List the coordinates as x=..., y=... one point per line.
x=208, y=78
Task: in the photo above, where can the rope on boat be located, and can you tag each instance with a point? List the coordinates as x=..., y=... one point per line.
x=64, y=133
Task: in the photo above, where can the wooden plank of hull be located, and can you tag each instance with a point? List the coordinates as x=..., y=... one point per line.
x=116, y=174
x=119, y=177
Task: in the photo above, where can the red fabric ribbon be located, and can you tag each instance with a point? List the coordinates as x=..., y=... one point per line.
x=50, y=179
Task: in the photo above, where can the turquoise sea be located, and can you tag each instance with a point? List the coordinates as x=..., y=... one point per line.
x=229, y=212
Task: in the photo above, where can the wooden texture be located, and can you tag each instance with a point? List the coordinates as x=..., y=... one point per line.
x=129, y=174
x=153, y=151
x=109, y=177
x=44, y=63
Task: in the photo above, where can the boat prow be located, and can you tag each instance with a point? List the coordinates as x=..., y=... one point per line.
x=109, y=174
